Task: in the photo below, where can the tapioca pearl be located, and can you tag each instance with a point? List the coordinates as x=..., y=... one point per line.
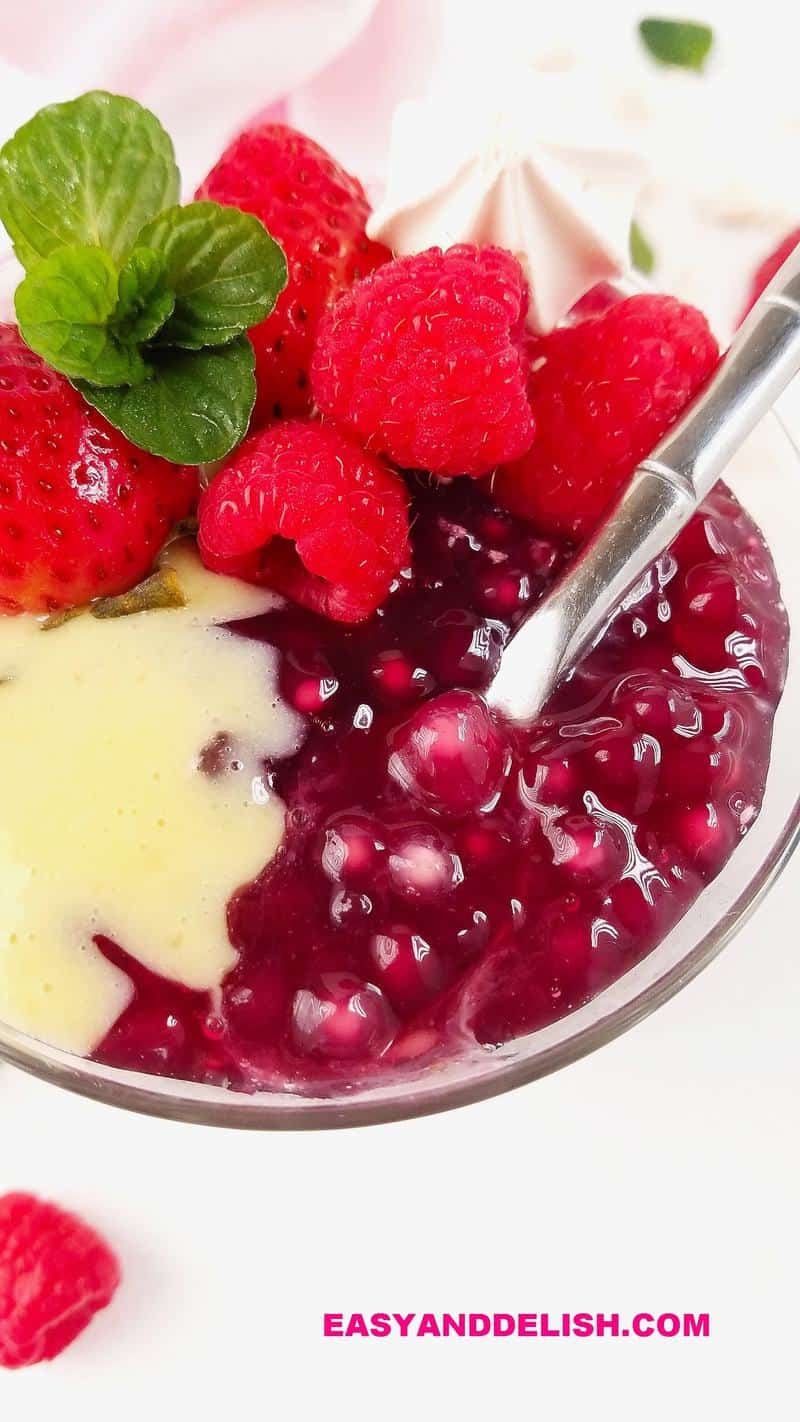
x=341, y=1017
x=691, y=770
x=422, y=864
x=550, y=779
x=482, y=843
x=450, y=756
x=255, y=1001
x=641, y=903
x=589, y=852
x=707, y=612
x=539, y=879
x=719, y=719
x=705, y=833
x=699, y=541
x=465, y=649
x=473, y=934
x=503, y=591
x=349, y=909
x=657, y=707
x=397, y=679
x=408, y=969
x=542, y=558
x=150, y=1037
x=623, y=768
x=495, y=529
x=308, y=681
x=352, y=848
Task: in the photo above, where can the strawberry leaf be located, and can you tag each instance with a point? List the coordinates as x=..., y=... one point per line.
x=682, y=43
x=224, y=268
x=64, y=308
x=195, y=407
x=93, y=171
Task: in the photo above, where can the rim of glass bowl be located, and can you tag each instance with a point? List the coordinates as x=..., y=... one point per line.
x=480, y=1073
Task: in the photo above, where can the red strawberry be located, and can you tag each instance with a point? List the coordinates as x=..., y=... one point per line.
x=318, y=213
x=603, y=393
x=306, y=511
x=82, y=511
x=56, y=1273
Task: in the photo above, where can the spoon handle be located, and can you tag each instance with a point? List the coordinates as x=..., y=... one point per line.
x=659, y=499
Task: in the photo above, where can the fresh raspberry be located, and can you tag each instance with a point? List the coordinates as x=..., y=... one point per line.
x=425, y=361
x=318, y=213
x=603, y=393
x=769, y=268
x=82, y=512
x=304, y=510
x=56, y=1273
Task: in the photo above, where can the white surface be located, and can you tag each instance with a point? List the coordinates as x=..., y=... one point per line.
x=659, y=1174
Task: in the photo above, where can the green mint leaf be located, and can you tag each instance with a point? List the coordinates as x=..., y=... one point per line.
x=92, y=171
x=679, y=42
x=224, y=268
x=144, y=303
x=64, y=306
x=195, y=408
x=642, y=255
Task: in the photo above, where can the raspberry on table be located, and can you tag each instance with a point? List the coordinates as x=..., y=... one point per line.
x=425, y=361
x=303, y=509
x=318, y=213
x=603, y=393
x=83, y=512
x=56, y=1273
x=769, y=268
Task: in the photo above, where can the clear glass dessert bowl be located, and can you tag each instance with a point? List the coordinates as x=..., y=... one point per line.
x=764, y=476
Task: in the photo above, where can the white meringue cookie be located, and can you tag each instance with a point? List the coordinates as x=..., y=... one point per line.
x=527, y=173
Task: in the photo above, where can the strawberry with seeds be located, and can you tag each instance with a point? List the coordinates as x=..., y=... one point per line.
x=83, y=513
x=318, y=213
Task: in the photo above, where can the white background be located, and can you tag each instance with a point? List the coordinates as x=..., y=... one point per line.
x=659, y=1174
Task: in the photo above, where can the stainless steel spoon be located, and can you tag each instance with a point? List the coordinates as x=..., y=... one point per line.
x=659, y=499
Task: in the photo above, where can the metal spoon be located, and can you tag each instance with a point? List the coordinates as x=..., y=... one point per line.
x=653, y=508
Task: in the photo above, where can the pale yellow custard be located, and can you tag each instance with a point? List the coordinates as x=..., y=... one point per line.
x=107, y=823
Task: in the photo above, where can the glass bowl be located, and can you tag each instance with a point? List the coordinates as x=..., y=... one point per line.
x=764, y=476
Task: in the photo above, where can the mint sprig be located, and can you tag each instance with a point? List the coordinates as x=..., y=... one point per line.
x=684, y=44
x=196, y=407
x=142, y=303
x=219, y=263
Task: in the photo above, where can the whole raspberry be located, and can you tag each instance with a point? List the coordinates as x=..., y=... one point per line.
x=318, y=213
x=302, y=509
x=82, y=511
x=770, y=266
x=603, y=393
x=56, y=1273
x=425, y=361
